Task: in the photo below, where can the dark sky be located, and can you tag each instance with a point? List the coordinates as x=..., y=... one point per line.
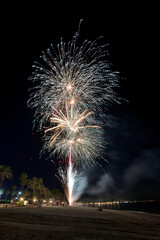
x=134, y=139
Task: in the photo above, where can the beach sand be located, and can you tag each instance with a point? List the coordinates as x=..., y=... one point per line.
x=77, y=223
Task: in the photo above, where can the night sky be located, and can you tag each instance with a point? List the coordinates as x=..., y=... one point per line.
x=133, y=149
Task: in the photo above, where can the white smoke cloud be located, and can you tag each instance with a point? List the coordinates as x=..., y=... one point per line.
x=82, y=185
x=137, y=180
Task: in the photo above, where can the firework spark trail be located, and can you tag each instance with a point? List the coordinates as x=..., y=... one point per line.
x=70, y=178
x=74, y=85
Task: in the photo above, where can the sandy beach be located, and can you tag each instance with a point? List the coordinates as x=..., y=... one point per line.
x=77, y=223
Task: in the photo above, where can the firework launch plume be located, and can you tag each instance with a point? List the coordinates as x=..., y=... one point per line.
x=72, y=85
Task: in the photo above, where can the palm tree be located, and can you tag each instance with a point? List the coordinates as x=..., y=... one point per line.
x=57, y=195
x=5, y=172
x=40, y=186
x=32, y=184
x=27, y=194
x=37, y=186
x=46, y=193
x=14, y=188
x=13, y=193
x=24, y=180
x=7, y=192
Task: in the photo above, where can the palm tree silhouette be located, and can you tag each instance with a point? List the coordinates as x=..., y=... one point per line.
x=5, y=172
x=23, y=180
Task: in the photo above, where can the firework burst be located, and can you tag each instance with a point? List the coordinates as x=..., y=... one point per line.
x=73, y=84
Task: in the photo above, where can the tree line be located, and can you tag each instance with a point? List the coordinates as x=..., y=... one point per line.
x=33, y=189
